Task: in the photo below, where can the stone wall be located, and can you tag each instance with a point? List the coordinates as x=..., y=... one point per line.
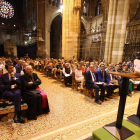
x=46, y=13
x=10, y=48
x=116, y=30
x=116, y=14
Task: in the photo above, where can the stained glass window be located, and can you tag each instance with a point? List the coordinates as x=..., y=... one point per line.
x=85, y=7
x=6, y=9
x=98, y=8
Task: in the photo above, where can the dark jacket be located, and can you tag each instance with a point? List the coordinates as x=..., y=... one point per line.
x=27, y=78
x=18, y=69
x=5, y=83
x=100, y=77
x=88, y=79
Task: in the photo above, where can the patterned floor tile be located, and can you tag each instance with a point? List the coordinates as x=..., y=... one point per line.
x=72, y=114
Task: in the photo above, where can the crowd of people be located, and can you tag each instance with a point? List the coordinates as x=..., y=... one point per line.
x=17, y=79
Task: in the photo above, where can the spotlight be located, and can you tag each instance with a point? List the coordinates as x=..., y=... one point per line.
x=14, y=25
x=25, y=42
x=2, y=23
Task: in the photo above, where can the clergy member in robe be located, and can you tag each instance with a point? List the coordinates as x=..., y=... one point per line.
x=31, y=94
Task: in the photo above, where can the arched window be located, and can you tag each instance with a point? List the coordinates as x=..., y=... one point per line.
x=85, y=7
x=98, y=8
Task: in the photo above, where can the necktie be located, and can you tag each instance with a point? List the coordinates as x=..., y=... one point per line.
x=10, y=77
x=110, y=77
x=94, y=76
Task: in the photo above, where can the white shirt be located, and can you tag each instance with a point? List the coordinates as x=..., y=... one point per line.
x=12, y=86
x=1, y=66
x=92, y=76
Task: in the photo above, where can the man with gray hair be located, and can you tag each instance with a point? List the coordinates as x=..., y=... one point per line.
x=91, y=83
x=30, y=82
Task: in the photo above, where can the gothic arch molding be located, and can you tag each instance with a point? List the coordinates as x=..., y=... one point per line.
x=57, y=14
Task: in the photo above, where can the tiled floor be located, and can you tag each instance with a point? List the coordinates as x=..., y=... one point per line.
x=72, y=115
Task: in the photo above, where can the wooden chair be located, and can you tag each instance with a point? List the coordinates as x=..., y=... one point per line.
x=7, y=106
x=73, y=79
x=89, y=92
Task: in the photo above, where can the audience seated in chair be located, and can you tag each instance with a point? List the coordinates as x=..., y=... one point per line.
x=32, y=94
x=10, y=88
x=91, y=83
x=82, y=66
x=24, y=67
x=102, y=77
x=111, y=77
x=59, y=70
x=20, y=67
x=4, y=69
x=117, y=77
x=67, y=71
x=79, y=77
x=87, y=66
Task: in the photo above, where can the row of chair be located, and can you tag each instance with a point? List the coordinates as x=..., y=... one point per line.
x=75, y=84
x=7, y=106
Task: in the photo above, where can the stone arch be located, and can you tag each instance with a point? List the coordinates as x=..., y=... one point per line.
x=53, y=17
x=56, y=37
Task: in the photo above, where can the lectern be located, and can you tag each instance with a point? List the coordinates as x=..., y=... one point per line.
x=116, y=128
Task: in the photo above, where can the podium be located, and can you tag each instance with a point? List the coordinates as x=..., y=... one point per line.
x=116, y=128
x=136, y=118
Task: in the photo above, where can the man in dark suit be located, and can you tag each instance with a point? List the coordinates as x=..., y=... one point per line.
x=119, y=78
x=102, y=77
x=111, y=77
x=90, y=83
x=9, y=85
x=24, y=67
x=30, y=81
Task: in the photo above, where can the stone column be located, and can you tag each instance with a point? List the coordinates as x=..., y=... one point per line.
x=116, y=30
x=71, y=28
x=41, y=25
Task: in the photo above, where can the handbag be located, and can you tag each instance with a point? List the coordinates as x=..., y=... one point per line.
x=35, y=91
